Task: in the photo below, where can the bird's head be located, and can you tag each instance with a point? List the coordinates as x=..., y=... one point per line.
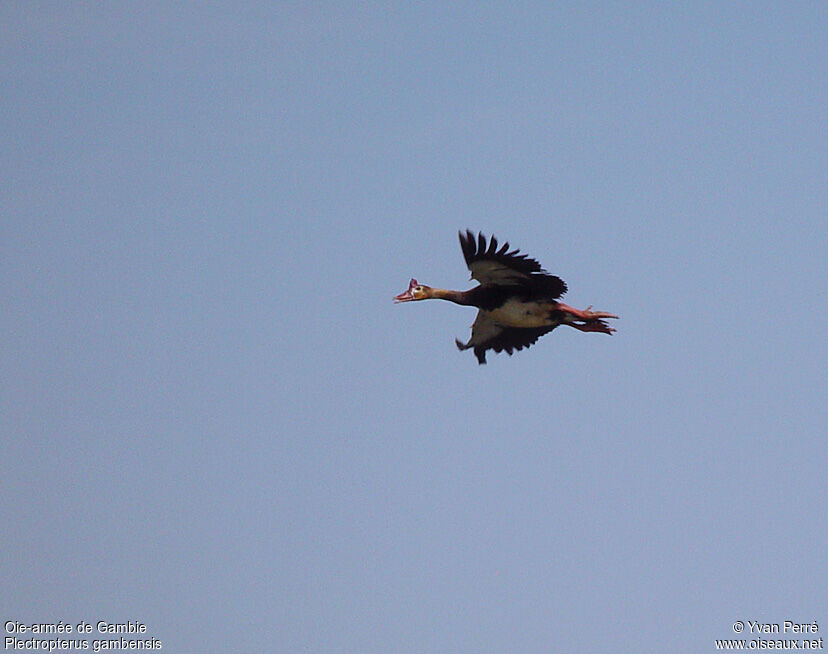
x=416, y=291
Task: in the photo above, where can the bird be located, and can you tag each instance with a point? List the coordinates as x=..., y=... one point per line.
x=517, y=300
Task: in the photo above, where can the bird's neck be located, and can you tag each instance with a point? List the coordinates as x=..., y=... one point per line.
x=458, y=297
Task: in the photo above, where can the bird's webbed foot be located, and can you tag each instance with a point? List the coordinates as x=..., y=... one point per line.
x=587, y=320
x=588, y=314
x=593, y=325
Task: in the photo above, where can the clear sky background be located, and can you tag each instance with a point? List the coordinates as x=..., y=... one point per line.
x=215, y=421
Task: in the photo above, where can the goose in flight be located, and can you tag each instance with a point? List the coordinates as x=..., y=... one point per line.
x=517, y=300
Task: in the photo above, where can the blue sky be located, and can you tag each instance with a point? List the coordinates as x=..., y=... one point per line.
x=216, y=422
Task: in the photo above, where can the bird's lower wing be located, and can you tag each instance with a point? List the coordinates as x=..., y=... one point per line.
x=489, y=335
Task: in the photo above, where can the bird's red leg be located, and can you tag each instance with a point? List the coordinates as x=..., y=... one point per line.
x=585, y=315
x=592, y=320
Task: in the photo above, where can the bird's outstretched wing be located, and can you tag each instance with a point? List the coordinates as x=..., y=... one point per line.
x=501, y=267
x=488, y=335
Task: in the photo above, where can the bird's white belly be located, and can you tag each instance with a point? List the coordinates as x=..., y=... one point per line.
x=515, y=313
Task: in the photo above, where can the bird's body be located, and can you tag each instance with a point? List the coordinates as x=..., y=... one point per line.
x=517, y=300
x=516, y=312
